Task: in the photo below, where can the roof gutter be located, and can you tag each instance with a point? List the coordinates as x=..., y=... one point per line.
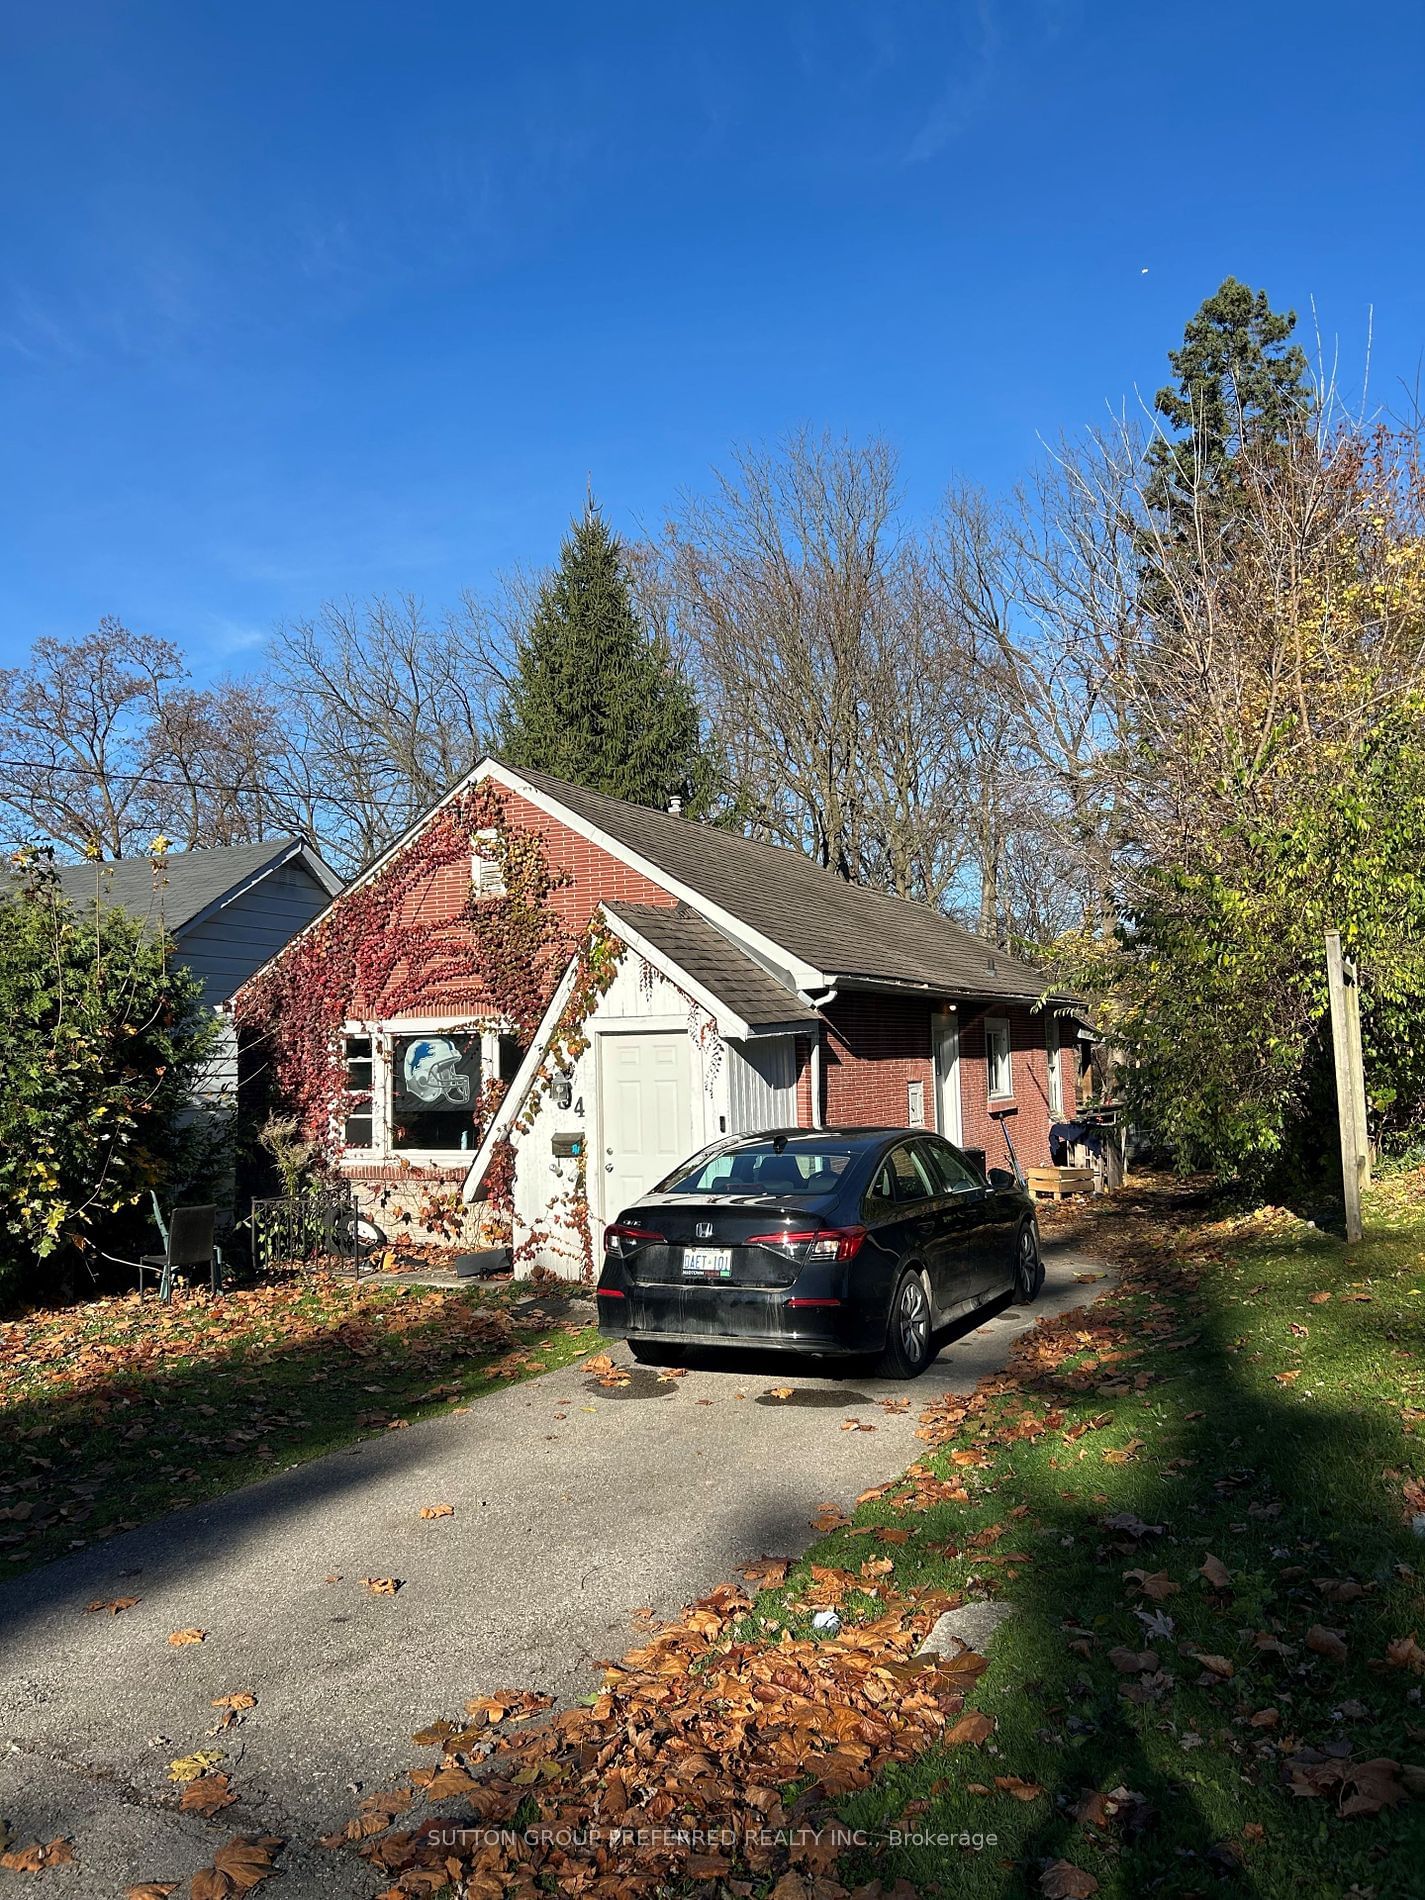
x=966, y=993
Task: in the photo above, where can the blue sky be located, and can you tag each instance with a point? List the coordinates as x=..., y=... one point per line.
x=311, y=299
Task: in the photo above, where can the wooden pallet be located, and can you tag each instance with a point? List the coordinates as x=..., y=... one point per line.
x=1054, y=1183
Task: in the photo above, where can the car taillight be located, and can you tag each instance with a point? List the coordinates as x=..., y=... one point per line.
x=822, y=1243
x=621, y=1241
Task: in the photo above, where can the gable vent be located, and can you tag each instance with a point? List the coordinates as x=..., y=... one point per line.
x=487, y=875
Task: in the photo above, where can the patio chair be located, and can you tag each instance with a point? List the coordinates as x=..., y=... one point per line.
x=188, y=1244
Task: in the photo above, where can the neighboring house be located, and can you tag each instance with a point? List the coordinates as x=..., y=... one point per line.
x=740, y=987
x=228, y=910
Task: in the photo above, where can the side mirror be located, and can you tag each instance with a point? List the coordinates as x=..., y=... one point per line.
x=1001, y=1178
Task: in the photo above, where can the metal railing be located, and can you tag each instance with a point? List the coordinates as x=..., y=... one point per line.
x=316, y=1228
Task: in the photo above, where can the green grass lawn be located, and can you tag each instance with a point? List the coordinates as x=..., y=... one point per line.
x=112, y=1413
x=1239, y=1422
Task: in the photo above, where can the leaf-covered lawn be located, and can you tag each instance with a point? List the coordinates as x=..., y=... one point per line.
x=1201, y=1512
x=113, y=1412
x=1198, y=1496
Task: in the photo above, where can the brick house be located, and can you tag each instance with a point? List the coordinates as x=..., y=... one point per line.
x=739, y=986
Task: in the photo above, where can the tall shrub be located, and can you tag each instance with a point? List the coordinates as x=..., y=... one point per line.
x=103, y=1043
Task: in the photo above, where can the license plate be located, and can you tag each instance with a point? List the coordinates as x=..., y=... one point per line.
x=707, y=1263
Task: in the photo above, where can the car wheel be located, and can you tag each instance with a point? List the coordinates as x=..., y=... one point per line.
x=909, y=1349
x=1028, y=1267
x=648, y=1354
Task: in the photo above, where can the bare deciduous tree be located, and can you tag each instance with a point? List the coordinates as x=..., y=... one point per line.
x=104, y=747
x=389, y=707
x=820, y=649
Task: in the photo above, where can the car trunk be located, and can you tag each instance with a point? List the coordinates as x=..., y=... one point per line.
x=717, y=1224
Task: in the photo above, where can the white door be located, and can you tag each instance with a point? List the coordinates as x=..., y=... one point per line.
x=945, y=1032
x=644, y=1112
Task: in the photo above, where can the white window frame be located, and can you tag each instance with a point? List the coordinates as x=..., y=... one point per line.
x=381, y=1152
x=1054, y=1060
x=995, y=1027
x=371, y=1110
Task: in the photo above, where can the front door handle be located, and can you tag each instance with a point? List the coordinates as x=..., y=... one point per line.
x=608, y=1167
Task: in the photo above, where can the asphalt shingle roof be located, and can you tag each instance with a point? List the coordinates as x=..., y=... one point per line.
x=714, y=961
x=845, y=930
x=186, y=884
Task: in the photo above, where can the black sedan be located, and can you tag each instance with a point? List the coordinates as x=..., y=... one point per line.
x=838, y=1241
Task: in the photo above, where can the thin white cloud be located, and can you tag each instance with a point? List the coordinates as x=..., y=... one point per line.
x=968, y=88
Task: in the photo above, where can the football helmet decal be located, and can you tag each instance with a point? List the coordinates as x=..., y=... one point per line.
x=432, y=1072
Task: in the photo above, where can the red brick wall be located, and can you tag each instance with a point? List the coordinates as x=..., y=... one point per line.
x=591, y=877
x=1029, y=1067
x=804, y=1103
x=875, y=1047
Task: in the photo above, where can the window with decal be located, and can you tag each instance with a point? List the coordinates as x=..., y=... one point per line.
x=435, y=1090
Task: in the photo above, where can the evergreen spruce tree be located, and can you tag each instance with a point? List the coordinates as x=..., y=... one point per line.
x=596, y=698
x=1240, y=378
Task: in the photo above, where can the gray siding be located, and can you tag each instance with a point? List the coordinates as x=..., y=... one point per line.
x=238, y=939
x=761, y=1084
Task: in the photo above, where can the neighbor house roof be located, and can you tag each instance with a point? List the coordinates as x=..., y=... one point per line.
x=852, y=934
x=187, y=885
x=691, y=945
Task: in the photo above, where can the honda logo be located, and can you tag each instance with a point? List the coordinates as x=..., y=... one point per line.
x=703, y=1229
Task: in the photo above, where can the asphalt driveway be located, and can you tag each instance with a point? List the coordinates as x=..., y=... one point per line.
x=575, y=1506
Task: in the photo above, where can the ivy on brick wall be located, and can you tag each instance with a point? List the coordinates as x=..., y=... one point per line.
x=375, y=956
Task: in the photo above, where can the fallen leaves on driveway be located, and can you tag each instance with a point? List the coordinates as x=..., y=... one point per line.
x=383, y=1586
x=184, y=1639
x=237, y=1867
x=207, y=1795
x=119, y=1411
x=189, y=1767
x=437, y=1510
x=114, y=1607
x=697, y=1729
x=511, y=1705
x=37, y=1856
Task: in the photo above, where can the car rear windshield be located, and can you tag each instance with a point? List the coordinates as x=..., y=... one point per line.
x=768, y=1168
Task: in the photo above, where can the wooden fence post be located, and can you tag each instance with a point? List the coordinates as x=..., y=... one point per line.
x=1344, y=989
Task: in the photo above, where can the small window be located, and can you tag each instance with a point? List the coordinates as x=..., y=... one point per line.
x=487, y=873
x=358, y=1124
x=1056, y=1073
x=357, y=1053
x=998, y=1064
x=512, y=1054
